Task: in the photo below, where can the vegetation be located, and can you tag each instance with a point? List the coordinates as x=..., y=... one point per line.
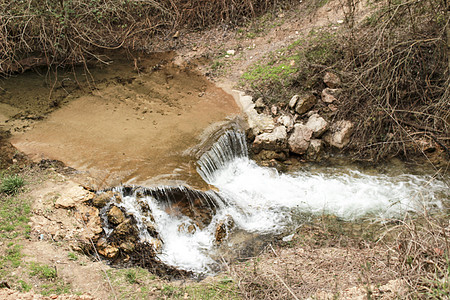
x=10, y=184
x=70, y=32
x=395, y=71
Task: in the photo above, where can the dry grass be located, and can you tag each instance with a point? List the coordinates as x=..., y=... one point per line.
x=66, y=32
x=404, y=261
x=397, y=74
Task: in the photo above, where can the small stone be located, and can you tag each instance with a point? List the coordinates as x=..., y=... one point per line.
x=231, y=52
x=222, y=228
x=293, y=101
x=127, y=246
x=305, y=103
x=329, y=95
x=65, y=202
x=259, y=104
x=124, y=229
x=274, y=110
x=331, y=80
x=115, y=215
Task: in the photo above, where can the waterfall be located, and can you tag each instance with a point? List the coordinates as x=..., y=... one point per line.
x=231, y=145
x=260, y=200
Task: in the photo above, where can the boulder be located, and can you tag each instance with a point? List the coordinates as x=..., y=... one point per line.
x=299, y=140
x=305, y=103
x=330, y=95
x=314, y=149
x=275, y=140
x=317, y=124
x=331, y=80
x=115, y=215
x=339, y=134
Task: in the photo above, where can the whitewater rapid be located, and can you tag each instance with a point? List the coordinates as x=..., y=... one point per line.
x=261, y=200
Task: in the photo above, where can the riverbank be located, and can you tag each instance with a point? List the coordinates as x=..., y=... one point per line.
x=326, y=257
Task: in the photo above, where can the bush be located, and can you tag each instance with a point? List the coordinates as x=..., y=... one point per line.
x=11, y=184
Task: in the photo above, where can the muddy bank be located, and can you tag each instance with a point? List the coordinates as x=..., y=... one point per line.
x=133, y=127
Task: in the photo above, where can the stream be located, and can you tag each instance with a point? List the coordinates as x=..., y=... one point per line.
x=252, y=200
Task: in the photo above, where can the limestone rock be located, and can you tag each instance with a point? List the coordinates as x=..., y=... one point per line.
x=258, y=123
x=331, y=80
x=299, y=140
x=293, y=101
x=330, y=95
x=317, y=124
x=156, y=244
x=115, y=215
x=259, y=103
x=275, y=140
x=305, y=103
x=287, y=121
x=314, y=149
x=339, y=134
x=102, y=199
x=274, y=110
x=65, y=202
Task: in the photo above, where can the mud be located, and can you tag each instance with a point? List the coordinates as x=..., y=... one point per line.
x=133, y=127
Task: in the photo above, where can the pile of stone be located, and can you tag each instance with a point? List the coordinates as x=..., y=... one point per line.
x=304, y=127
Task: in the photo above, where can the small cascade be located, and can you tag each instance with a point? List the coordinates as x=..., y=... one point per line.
x=185, y=226
x=231, y=145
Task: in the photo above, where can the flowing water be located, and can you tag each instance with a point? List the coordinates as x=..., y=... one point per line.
x=260, y=200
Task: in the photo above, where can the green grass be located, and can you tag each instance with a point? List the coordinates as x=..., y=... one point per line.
x=291, y=70
x=11, y=184
x=43, y=271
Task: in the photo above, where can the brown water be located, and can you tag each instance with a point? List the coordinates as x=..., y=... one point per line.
x=135, y=127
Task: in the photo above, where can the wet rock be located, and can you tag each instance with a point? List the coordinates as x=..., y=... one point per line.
x=314, y=149
x=299, y=140
x=287, y=121
x=156, y=244
x=151, y=227
x=317, y=124
x=330, y=95
x=305, y=103
x=102, y=199
x=275, y=141
x=339, y=134
x=127, y=247
x=106, y=250
x=331, y=80
x=115, y=215
x=222, y=228
x=270, y=155
x=187, y=228
x=126, y=229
